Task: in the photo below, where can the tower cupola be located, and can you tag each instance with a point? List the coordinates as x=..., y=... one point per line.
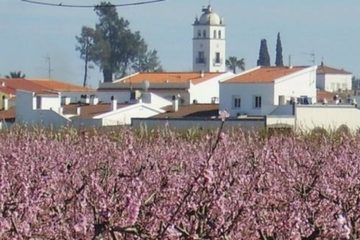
x=209, y=42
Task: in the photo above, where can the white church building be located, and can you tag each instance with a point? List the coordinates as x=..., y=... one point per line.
x=209, y=42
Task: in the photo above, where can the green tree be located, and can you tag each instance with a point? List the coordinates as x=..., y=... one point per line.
x=279, y=57
x=146, y=60
x=115, y=47
x=16, y=74
x=264, y=57
x=86, y=48
x=233, y=63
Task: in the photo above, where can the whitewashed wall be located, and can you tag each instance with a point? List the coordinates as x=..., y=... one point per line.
x=327, y=116
x=203, y=92
x=247, y=92
x=197, y=123
x=334, y=82
x=50, y=102
x=27, y=114
x=302, y=83
x=123, y=116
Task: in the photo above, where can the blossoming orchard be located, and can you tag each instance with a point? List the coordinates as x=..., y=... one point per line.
x=232, y=185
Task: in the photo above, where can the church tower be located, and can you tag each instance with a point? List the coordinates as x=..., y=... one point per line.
x=209, y=42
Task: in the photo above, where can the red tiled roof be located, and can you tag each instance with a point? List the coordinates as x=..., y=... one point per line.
x=22, y=84
x=264, y=75
x=8, y=115
x=168, y=77
x=89, y=111
x=38, y=86
x=192, y=110
x=321, y=95
x=323, y=69
x=61, y=86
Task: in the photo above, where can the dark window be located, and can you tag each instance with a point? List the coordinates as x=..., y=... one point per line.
x=257, y=102
x=219, y=33
x=214, y=33
x=217, y=58
x=201, y=57
x=204, y=34
x=236, y=102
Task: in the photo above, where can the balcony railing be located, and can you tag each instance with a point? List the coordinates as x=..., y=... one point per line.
x=200, y=60
x=217, y=62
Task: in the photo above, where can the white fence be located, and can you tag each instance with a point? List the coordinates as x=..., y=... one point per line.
x=199, y=123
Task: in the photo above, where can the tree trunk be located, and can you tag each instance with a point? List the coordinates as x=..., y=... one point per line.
x=107, y=73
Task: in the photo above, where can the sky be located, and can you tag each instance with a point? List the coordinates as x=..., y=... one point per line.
x=30, y=34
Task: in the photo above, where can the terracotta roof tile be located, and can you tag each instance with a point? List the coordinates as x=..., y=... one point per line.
x=8, y=115
x=323, y=69
x=168, y=77
x=192, y=110
x=39, y=86
x=61, y=86
x=264, y=75
x=21, y=84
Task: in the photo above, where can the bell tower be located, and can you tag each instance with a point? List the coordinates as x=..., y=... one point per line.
x=209, y=43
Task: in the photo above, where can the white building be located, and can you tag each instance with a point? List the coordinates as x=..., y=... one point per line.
x=45, y=109
x=189, y=87
x=209, y=42
x=333, y=80
x=260, y=91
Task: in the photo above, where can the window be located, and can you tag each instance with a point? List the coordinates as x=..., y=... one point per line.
x=204, y=34
x=219, y=33
x=201, y=57
x=199, y=34
x=214, y=33
x=236, y=102
x=217, y=58
x=257, y=102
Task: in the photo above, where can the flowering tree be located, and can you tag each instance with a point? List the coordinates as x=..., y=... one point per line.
x=232, y=185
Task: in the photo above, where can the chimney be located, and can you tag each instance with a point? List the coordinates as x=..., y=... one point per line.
x=113, y=104
x=6, y=103
x=78, y=110
x=146, y=97
x=175, y=101
x=87, y=99
x=94, y=100
x=61, y=110
x=65, y=100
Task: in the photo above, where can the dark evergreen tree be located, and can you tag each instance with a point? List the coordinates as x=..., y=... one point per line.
x=264, y=57
x=279, y=57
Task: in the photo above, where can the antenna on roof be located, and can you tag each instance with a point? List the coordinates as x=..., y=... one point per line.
x=48, y=60
x=312, y=55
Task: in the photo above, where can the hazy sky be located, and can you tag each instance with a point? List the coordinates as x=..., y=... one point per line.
x=329, y=28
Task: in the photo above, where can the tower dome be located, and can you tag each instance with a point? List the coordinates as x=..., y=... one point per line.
x=209, y=42
x=209, y=17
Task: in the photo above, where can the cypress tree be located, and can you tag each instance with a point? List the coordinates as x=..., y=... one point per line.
x=279, y=57
x=264, y=57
